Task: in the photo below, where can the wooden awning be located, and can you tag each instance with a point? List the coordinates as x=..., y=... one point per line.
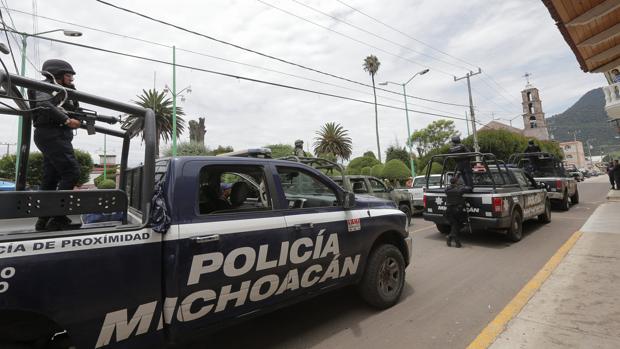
x=592, y=30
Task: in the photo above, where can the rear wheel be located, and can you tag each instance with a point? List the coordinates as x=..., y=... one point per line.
x=515, y=232
x=545, y=217
x=575, y=198
x=565, y=204
x=384, y=277
x=444, y=229
x=407, y=211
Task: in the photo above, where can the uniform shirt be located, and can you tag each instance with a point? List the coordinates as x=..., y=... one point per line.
x=454, y=194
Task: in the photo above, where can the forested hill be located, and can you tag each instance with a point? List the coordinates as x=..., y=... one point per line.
x=588, y=117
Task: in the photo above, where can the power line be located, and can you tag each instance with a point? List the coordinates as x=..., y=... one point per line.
x=238, y=76
x=375, y=35
x=264, y=54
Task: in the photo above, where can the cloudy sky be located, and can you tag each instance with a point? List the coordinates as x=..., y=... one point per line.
x=505, y=38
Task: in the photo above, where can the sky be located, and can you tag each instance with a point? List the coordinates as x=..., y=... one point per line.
x=505, y=38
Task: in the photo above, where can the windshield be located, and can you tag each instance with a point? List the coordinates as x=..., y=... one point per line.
x=432, y=181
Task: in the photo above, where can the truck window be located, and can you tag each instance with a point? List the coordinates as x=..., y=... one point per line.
x=229, y=189
x=377, y=186
x=523, y=181
x=359, y=186
x=304, y=190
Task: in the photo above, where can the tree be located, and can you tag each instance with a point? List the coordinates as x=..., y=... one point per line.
x=435, y=135
x=395, y=170
x=396, y=152
x=370, y=154
x=376, y=170
x=365, y=171
x=355, y=165
x=333, y=139
x=189, y=149
x=504, y=143
x=162, y=106
x=280, y=150
x=371, y=65
x=34, y=175
x=221, y=150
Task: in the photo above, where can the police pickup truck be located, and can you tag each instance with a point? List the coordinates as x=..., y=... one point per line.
x=501, y=200
x=187, y=255
x=547, y=169
x=370, y=185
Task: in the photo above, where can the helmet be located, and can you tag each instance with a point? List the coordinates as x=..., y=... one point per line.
x=299, y=142
x=530, y=142
x=57, y=67
x=456, y=139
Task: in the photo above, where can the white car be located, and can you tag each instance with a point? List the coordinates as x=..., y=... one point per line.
x=417, y=192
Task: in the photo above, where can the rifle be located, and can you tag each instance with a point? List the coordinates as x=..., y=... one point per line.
x=89, y=117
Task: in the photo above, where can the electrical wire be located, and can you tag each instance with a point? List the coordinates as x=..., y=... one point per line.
x=264, y=54
x=9, y=43
x=240, y=77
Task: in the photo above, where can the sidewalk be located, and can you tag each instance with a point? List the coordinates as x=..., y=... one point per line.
x=578, y=306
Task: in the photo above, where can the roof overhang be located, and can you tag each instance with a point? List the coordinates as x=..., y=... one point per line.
x=592, y=30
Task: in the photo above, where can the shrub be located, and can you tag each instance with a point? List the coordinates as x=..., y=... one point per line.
x=395, y=170
x=107, y=184
x=376, y=170
x=365, y=171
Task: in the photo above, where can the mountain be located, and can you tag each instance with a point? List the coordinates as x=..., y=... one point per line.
x=588, y=118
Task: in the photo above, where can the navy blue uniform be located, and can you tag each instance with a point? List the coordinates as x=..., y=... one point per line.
x=455, y=205
x=462, y=164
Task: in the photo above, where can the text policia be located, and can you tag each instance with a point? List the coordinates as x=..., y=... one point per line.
x=237, y=262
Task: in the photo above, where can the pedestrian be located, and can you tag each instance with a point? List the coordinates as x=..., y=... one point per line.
x=610, y=173
x=53, y=134
x=463, y=164
x=616, y=172
x=615, y=78
x=455, y=209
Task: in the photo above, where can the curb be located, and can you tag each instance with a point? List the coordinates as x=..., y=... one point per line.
x=498, y=324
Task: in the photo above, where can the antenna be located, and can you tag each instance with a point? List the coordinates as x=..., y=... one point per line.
x=527, y=79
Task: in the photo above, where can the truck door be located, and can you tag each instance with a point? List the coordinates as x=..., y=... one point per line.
x=379, y=189
x=534, y=197
x=231, y=248
x=326, y=239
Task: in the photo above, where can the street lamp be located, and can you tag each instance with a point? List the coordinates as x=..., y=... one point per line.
x=20, y=122
x=421, y=72
x=175, y=94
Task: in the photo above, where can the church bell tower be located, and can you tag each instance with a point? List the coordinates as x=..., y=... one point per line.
x=533, y=115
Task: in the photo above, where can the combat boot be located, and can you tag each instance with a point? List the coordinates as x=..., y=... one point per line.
x=61, y=223
x=41, y=223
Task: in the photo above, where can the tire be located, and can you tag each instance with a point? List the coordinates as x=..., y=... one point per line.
x=407, y=211
x=444, y=229
x=515, y=232
x=546, y=216
x=565, y=204
x=575, y=198
x=384, y=277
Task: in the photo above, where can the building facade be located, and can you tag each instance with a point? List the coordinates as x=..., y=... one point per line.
x=533, y=116
x=574, y=154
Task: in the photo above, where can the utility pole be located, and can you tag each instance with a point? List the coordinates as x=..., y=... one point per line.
x=471, y=105
x=467, y=123
x=7, y=147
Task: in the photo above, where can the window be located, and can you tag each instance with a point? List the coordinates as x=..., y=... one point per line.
x=228, y=189
x=523, y=182
x=433, y=181
x=359, y=186
x=377, y=186
x=304, y=190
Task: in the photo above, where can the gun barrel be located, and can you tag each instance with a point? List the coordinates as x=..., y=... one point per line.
x=107, y=119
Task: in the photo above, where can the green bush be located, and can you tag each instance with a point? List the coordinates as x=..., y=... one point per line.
x=395, y=170
x=110, y=174
x=356, y=165
x=35, y=167
x=188, y=149
x=107, y=184
x=365, y=171
x=504, y=143
x=435, y=169
x=376, y=170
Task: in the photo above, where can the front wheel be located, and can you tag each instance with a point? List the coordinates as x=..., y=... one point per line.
x=515, y=232
x=384, y=277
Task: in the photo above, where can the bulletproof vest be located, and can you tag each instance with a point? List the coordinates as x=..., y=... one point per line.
x=454, y=195
x=458, y=148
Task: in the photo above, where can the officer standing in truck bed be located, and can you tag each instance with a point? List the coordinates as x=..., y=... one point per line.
x=53, y=135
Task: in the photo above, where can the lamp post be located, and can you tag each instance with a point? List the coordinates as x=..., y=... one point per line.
x=174, y=99
x=422, y=72
x=20, y=122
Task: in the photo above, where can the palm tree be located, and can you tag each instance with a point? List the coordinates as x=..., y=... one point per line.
x=371, y=65
x=334, y=140
x=162, y=106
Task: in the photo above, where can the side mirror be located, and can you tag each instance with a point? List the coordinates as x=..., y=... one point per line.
x=349, y=200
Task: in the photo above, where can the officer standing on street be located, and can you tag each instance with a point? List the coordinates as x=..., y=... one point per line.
x=455, y=205
x=532, y=147
x=53, y=135
x=462, y=163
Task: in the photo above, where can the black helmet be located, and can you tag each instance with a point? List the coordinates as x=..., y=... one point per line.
x=530, y=142
x=456, y=139
x=57, y=67
x=299, y=142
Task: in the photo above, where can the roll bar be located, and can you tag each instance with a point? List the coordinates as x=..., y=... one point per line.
x=149, y=130
x=484, y=158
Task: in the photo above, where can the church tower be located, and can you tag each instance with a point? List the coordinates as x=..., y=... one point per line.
x=533, y=116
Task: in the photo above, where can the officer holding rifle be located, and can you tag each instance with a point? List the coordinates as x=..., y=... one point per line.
x=53, y=135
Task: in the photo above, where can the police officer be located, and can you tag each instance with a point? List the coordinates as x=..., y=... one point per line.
x=53, y=135
x=299, y=149
x=462, y=163
x=455, y=204
x=532, y=147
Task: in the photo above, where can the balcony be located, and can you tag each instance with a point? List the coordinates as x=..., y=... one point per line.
x=612, y=100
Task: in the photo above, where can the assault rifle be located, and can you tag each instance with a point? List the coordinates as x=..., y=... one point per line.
x=89, y=117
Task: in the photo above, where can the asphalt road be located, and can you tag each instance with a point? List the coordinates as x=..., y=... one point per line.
x=450, y=294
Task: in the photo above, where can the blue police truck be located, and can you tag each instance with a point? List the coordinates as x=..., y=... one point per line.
x=185, y=246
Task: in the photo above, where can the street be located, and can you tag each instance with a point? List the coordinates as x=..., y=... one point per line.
x=450, y=294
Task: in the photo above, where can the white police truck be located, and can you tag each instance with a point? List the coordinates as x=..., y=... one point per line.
x=184, y=247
